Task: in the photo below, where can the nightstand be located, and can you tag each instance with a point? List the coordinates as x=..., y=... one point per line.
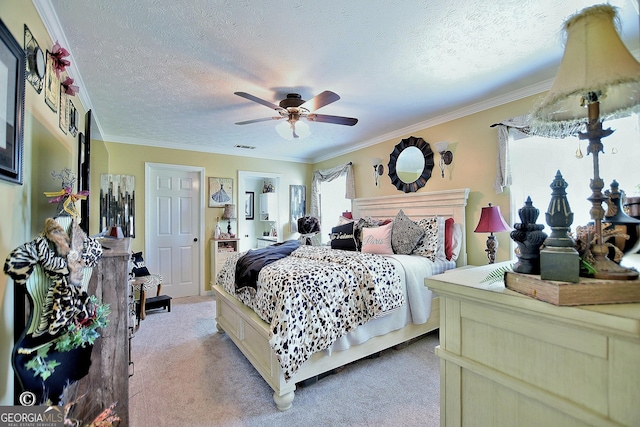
x=221, y=249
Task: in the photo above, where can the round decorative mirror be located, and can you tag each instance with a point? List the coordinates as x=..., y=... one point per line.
x=410, y=164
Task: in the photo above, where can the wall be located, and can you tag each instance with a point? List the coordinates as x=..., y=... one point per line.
x=471, y=139
x=474, y=146
x=130, y=159
x=24, y=207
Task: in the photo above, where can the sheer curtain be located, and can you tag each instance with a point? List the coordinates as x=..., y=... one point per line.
x=329, y=175
x=503, y=163
x=521, y=123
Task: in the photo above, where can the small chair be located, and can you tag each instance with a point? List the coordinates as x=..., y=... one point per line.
x=142, y=282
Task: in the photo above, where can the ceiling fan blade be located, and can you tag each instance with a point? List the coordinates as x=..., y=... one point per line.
x=258, y=100
x=320, y=100
x=338, y=120
x=265, y=119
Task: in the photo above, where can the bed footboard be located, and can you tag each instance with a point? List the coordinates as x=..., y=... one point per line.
x=251, y=335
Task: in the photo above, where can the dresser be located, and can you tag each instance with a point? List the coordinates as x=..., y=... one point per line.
x=221, y=250
x=510, y=360
x=111, y=365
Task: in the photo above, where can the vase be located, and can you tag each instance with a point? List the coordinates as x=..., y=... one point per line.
x=74, y=365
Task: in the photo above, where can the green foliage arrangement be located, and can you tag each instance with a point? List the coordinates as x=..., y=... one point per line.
x=79, y=334
x=497, y=275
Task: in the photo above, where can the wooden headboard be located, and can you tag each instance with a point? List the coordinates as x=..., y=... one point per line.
x=447, y=203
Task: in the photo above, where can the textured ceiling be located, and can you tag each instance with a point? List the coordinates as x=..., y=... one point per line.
x=164, y=73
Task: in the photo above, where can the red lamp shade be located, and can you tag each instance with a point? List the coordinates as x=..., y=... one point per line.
x=491, y=221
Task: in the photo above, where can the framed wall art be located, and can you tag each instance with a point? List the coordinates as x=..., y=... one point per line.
x=35, y=61
x=220, y=192
x=249, y=205
x=51, y=85
x=73, y=119
x=297, y=205
x=12, y=78
x=63, y=111
x=118, y=203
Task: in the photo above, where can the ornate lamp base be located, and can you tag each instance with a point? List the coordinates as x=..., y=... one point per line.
x=492, y=247
x=607, y=269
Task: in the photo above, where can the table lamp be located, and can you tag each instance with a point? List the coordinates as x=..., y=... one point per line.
x=491, y=221
x=598, y=79
x=229, y=214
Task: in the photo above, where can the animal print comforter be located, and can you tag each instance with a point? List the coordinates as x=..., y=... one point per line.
x=317, y=295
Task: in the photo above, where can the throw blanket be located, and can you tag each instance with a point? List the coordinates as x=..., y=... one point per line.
x=250, y=264
x=316, y=295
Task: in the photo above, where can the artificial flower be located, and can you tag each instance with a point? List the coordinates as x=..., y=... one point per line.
x=69, y=87
x=58, y=53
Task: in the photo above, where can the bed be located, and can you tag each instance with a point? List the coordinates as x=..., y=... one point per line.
x=251, y=333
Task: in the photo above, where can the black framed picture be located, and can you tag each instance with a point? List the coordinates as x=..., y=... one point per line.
x=84, y=174
x=12, y=77
x=249, y=204
x=73, y=119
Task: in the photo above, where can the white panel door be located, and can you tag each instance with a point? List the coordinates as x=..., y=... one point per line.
x=173, y=212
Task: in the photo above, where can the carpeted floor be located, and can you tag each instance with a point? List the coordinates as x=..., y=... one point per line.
x=187, y=374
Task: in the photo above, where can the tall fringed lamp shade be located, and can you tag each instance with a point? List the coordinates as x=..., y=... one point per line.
x=491, y=221
x=229, y=214
x=598, y=79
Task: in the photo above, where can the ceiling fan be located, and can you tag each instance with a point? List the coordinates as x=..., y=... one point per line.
x=293, y=108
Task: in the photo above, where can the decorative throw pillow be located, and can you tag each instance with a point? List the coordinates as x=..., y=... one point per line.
x=342, y=237
x=139, y=268
x=448, y=238
x=377, y=240
x=429, y=245
x=361, y=224
x=405, y=234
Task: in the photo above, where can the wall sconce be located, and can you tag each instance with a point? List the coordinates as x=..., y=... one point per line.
x=446, y=157
x=378, y=169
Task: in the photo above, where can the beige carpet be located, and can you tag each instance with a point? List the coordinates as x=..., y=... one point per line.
x=187, y=374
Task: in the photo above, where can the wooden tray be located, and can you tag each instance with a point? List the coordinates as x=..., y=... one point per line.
x=587, y=291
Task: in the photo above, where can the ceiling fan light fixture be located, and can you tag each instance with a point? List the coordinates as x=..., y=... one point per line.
x=293, y=129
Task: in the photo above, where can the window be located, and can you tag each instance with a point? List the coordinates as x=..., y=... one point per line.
x=535, y=160
x=332, y=203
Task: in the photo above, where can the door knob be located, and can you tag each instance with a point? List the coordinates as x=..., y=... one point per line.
x=195, y=240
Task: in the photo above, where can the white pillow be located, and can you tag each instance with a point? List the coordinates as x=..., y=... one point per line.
x=456, y=241
x=377, y=240
x=440, y=252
